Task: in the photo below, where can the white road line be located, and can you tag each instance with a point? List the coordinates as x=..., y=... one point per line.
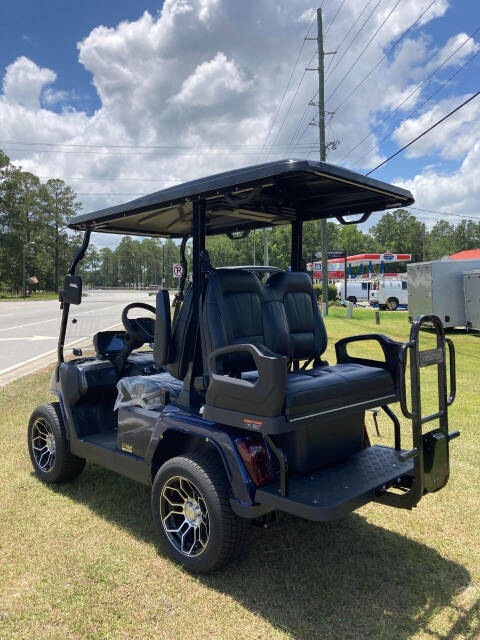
x=47, y=353
x=31, y=324
x=6, y=315
x=32, y=339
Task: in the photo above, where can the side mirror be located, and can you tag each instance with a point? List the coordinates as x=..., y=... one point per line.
x=72, y=290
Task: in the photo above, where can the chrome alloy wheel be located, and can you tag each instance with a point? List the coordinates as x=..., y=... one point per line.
x=43, y=445
x=184, y=516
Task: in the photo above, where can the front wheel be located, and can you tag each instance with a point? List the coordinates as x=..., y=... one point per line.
x=192, y=513
x=392, y=304
x=49, y=447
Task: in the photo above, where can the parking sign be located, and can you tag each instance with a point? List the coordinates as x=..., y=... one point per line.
x=177, y=270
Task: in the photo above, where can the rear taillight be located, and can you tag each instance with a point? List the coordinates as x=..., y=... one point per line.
x=254, y=454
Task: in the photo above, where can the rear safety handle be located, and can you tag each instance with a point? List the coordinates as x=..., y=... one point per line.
x=406, y=455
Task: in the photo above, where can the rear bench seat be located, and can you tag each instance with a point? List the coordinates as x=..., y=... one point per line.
x=281, y=318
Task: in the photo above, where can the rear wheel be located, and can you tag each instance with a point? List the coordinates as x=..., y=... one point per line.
x=392, y=304
x=49, y=447
x=192, y=513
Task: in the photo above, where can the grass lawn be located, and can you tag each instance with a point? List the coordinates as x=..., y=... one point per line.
x=45, y=295
x=80, y=560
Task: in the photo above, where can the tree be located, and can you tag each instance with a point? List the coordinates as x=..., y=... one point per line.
x=23, y=218
x=400, y=232
x=60, y=205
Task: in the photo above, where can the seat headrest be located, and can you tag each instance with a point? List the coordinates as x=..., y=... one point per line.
x=237, y=280
x=291, y=282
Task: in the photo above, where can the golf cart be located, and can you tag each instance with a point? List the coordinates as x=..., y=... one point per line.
x=234, y=415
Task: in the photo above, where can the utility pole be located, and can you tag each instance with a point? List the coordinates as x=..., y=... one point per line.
x=323, y=155
x=265, y=247
x=323, y=150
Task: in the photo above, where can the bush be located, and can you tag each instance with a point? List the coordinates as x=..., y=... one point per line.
x=332, y=292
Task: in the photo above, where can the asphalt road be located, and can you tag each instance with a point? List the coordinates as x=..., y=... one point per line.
x=29, y=330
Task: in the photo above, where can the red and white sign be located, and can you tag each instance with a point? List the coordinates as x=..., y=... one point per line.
x=177, y=271
x=336, y=265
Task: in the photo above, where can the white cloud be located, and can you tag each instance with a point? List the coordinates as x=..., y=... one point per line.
x=449, y=54
x=24, y=81
x=457, y=191
x=212, y=82
x=52, y=96
x=452, y=139
x=212, y=72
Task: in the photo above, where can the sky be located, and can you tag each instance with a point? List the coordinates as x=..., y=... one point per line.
x=124, y=98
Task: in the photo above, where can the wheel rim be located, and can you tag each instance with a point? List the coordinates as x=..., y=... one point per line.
x=184, y=516
x=43, y=445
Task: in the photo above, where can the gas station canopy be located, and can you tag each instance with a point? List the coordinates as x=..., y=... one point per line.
x=336, y=265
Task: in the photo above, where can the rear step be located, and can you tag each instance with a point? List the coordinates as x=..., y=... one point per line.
x=339, y=489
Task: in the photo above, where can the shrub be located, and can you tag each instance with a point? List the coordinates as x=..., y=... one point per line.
x=332, y=292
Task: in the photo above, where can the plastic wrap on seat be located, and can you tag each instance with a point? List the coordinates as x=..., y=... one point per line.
x=145, y=391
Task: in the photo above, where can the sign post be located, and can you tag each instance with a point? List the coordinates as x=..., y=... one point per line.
x=341, y=254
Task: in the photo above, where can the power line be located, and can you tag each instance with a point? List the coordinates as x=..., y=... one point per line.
x=334, y=18
x=352, y=41
x=293, y=99
x=287, y=86
x=348, y=33
x=425, y=132
x=395, y=44
x=414, y=111
x=402, y=102
x=297, y=135
x=133, y=146
x=155, y=154
x=464, y=216
x=363, y=51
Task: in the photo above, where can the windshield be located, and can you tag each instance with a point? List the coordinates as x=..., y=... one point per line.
x=101, y=310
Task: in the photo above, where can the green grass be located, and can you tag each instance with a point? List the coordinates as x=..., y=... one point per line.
x=45, y=295
x=80, y=560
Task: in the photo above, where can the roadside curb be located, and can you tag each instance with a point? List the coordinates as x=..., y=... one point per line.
x=42, y=361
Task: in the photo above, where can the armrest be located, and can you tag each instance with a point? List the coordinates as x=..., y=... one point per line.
x=264, y=397
x=263, y=358
x=392, y=351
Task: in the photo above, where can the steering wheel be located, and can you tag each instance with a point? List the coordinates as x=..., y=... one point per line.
x=141, y=329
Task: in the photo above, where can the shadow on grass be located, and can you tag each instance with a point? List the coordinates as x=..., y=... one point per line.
x=346, y=579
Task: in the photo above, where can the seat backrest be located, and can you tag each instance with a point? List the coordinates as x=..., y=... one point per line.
x=307, y=336
x=237, y=311
x=282, y=315
x=182, y=342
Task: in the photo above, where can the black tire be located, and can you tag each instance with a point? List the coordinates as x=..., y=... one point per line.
x=382, y=307
x=352, y=299
x=392, y=304
x=226, y=531
x=64, y=465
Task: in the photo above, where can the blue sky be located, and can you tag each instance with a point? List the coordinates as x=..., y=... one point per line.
x=202, y=75
x=47, y=31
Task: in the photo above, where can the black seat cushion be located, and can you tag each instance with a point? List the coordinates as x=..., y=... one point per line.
x=335, y=387
x=330, y=388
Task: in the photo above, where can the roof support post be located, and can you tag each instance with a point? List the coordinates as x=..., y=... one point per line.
x=189, y=397
x=65, y=306
x=199, y=207
x=297, y=240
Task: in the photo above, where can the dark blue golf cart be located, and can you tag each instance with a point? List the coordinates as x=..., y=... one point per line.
x=234, y=414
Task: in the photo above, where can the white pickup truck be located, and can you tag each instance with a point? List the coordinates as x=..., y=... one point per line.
x=389, y=293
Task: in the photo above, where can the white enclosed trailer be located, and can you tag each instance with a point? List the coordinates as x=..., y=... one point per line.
x=471, y=286
x=437, y=288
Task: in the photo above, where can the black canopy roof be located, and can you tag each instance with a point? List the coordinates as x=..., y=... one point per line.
x=259, y=196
